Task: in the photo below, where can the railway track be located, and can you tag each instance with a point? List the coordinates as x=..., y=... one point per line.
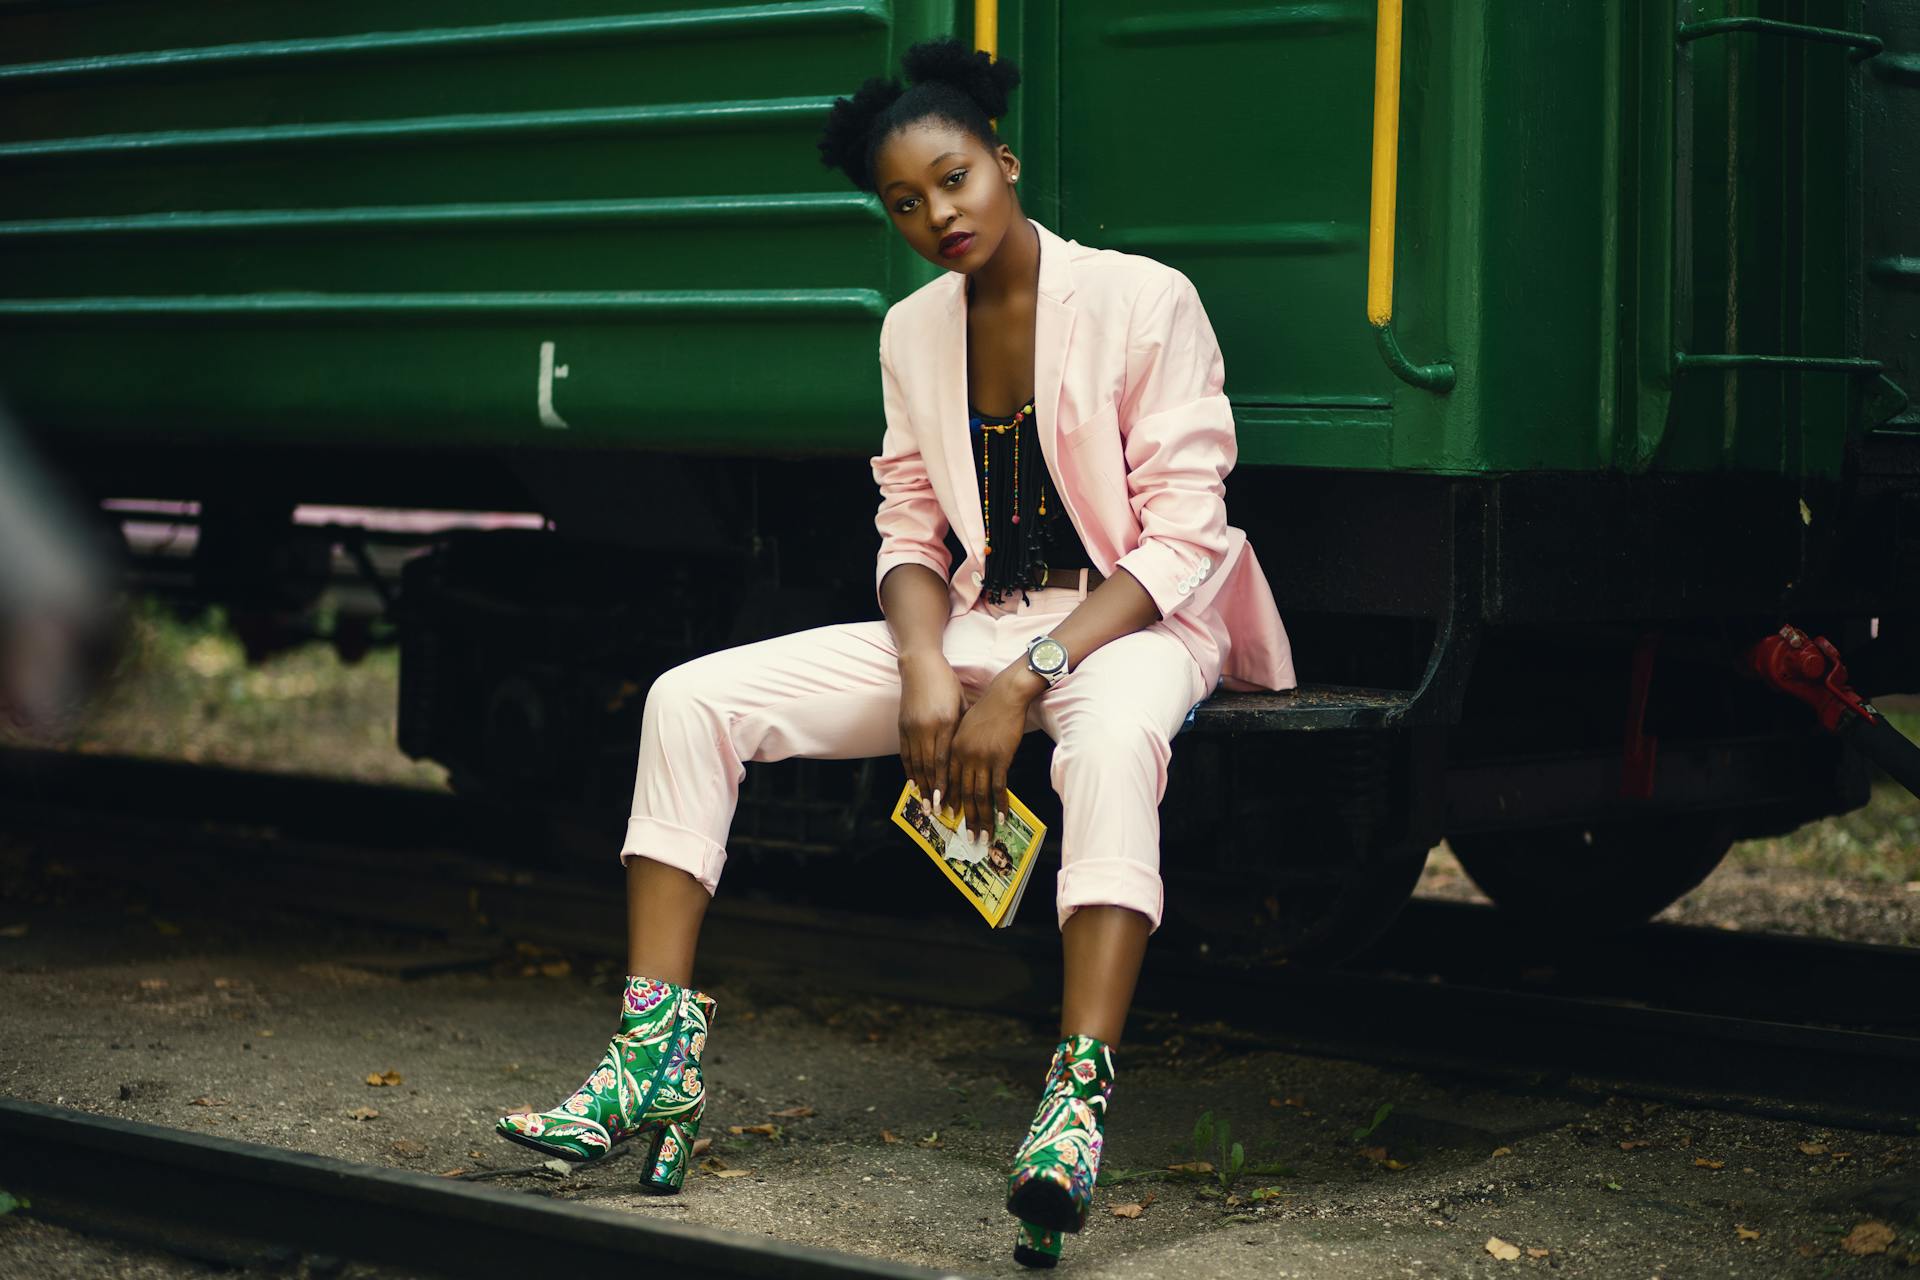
x=240, y=1203
x=1775, y=1025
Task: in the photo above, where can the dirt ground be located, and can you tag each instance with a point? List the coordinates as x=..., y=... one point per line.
x=267, y=1030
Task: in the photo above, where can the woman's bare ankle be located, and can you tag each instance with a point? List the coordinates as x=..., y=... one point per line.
x=665, y=908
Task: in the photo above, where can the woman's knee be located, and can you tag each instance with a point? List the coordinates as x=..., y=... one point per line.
x=1116, y=740
x=691, y=683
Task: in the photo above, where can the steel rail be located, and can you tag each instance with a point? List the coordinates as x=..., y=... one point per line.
x=173, y=1188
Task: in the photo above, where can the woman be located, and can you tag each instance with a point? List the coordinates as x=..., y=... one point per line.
x=1061, y=410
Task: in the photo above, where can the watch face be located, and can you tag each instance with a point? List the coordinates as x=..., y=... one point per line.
x=1049, y=655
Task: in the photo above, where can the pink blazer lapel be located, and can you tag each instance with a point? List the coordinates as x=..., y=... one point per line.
x=1053, y=329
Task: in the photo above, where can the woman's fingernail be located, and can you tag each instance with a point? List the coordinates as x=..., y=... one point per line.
x=936, y=798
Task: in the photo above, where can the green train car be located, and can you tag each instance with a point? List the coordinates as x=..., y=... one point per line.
x=1570, y=344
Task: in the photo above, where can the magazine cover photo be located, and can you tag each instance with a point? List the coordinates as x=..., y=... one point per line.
x=989, y=870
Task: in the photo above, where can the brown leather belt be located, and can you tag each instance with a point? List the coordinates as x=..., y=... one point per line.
x=1071, y=578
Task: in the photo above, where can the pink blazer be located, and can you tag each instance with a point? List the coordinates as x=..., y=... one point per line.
x=1137, y=433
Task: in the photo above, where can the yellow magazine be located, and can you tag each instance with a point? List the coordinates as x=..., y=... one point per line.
x=991, y=874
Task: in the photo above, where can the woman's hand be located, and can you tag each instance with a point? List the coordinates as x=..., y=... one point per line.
x=984, y=745
x=931, y=704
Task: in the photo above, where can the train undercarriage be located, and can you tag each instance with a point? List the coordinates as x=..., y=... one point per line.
x=1546, y=671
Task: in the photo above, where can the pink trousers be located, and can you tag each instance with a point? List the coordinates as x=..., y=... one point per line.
x=833, y=693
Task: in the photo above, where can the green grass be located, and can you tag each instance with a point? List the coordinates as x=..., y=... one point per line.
x=182, y=690
x=1878, y=843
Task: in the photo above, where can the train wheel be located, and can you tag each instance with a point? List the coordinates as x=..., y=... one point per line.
x=1313, y=916
x=1586, y=880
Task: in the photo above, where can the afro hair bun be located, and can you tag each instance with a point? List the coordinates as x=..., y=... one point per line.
x=972, y=71
x=844, y=141
x=937, y=70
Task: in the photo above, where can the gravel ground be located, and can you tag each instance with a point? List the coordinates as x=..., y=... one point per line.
x=267, y=1031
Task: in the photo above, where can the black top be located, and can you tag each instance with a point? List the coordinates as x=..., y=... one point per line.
x=1014, y=479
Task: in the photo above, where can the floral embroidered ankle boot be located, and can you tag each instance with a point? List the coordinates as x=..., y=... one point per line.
x=647, y=1085
x=1053, y=1174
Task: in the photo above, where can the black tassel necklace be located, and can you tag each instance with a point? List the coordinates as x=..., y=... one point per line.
x=1014, y=504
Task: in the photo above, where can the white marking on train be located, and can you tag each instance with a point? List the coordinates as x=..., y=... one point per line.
x=548, y=372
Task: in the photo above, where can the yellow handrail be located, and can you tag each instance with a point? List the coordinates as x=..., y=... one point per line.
x=1386, y=161
x=1380, y=215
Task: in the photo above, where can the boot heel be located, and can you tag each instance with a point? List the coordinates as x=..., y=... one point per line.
x=1037, y=1247
x=669, y=1155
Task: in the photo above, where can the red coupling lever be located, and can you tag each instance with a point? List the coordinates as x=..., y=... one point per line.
x=1809, y=669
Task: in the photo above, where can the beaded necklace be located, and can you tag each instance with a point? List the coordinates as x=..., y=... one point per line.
x=1022, y=537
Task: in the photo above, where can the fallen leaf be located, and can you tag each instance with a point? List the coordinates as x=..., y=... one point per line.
x=889, y=1136
x=733, y=1173
x=1634, y=1144
x=1686, y=1139
x=1813, y=1148
x=264, y=1035
x=1500, y=1151
x=1745, y=1233
x=165, y=928
x=556, y=969
x=1538, y=1253
x=1701, y=1162
x=767, y=1130
x=364, y=1113
x=379, y=1078
x=931, y=1140
x=204, y=1101
x=1191, y=1166
x=1270, y=1193
x=406, y=1147
x=1868, y=1238
x=1291, y=1100
x=792, y=1113
x=1129, y=1210
x=223, y=984
x=453, y=1173
x=1501, y=1249
x=1808, y=1250
x=153, y=984
x=1379, y=1156
x=13, y=931
x=713, y=1164
x=700, y=1145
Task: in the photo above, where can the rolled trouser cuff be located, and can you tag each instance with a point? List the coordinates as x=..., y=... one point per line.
x=697, y=855
x=1119, y=882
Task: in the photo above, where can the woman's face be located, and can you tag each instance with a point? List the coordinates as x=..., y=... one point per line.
x=937, y=181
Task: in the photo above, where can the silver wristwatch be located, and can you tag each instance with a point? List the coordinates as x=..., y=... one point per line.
x=1047, y=658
